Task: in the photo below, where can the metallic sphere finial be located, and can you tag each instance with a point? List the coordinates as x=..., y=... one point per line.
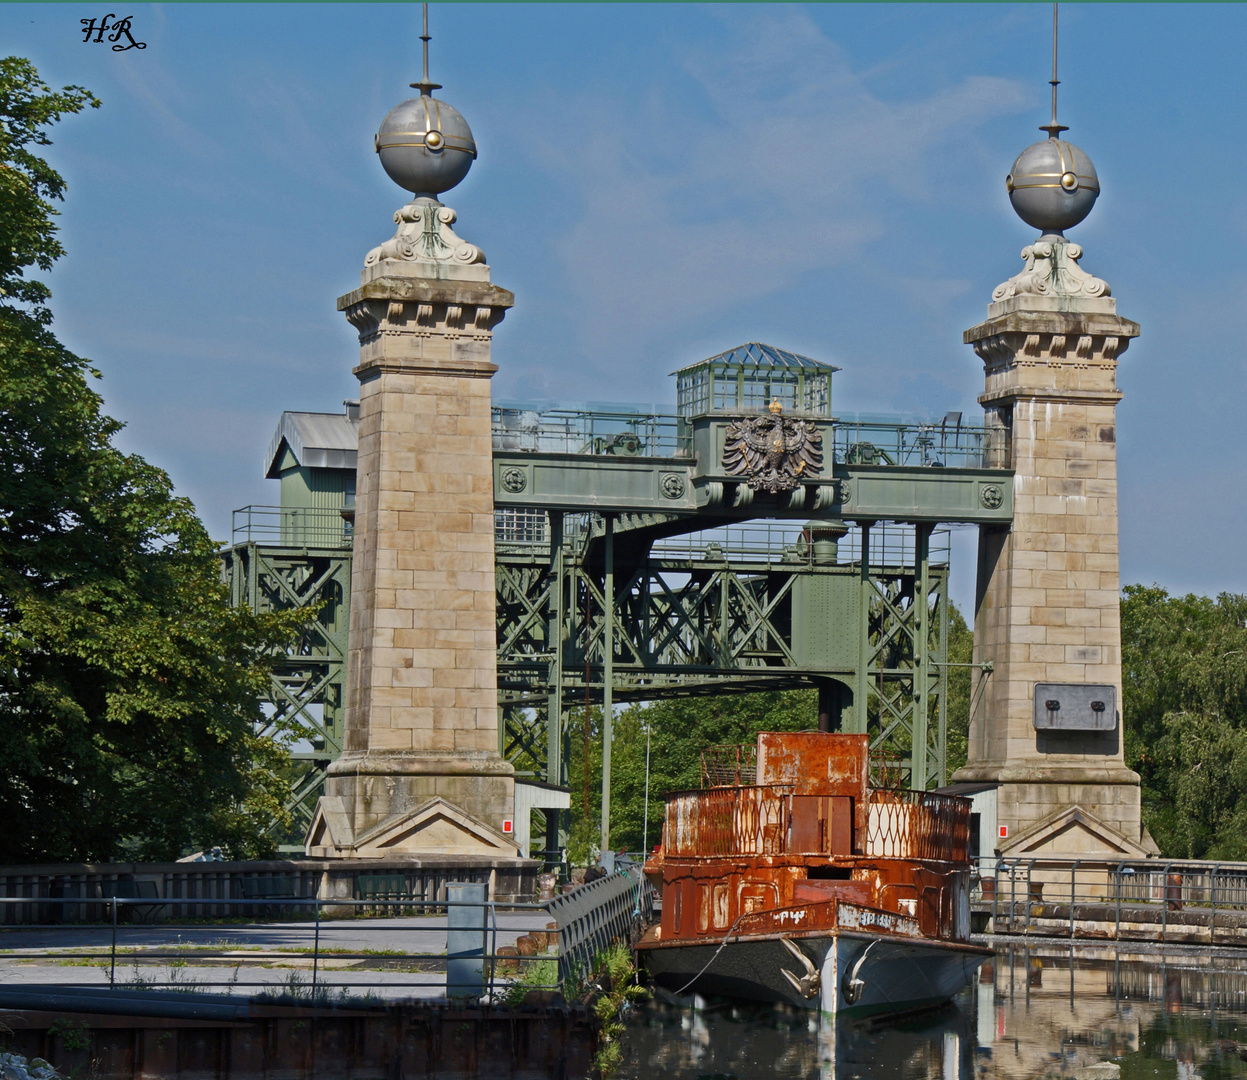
x=1053, y=185
x=425, y=145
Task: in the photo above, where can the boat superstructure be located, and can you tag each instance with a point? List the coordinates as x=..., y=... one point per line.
x=788, y=877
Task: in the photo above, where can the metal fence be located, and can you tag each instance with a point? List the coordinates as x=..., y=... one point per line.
x=918, y=825
x=1181, y=901
x=753, y=820
x=946, y=443
x=468, y=947
x=290, y=526
x=590, y=918
x=615, y=432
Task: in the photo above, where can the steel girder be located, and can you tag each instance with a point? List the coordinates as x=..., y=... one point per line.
x=701, y=625
x=305, y=703
x=705, y=625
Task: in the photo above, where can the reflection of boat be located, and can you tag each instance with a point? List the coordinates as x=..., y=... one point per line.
x=788, y=878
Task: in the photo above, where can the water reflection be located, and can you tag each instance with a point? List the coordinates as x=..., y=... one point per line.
x=1094, y=1013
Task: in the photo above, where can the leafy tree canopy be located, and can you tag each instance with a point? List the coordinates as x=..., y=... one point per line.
x=1184, y=681
x=128, y=685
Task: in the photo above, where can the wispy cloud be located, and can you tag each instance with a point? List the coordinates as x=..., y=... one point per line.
x=779, y=174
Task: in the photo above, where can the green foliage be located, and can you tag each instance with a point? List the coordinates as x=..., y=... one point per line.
x=617, y=991
x=1184, y=676
x=680, y=729
x=582, y=840
x=128, y=685
x=541, y=975
x=960, y=683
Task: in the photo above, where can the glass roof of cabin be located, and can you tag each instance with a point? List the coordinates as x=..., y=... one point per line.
x=757, y=355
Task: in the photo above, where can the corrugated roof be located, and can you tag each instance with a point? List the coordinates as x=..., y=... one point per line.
x=757, y=355
x=317, y=440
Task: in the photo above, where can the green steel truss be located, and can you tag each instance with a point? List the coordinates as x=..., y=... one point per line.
x=729, y=611
x=715, y=613
x=304, y=705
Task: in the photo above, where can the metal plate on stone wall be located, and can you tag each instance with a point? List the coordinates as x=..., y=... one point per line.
x=1075, y=707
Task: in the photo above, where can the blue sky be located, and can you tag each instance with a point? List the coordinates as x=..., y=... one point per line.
x=657, y=183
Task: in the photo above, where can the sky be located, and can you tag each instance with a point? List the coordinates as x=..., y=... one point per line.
x=657, y=183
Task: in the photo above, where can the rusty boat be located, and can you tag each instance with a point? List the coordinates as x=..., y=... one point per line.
x=789, y=878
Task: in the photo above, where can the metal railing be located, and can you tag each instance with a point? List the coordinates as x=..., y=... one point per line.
x=730, y=765
x=503, y=945
x=641, y=432
x=779, y=543
x=311, y=526
x=1179, y=901
x=946, y=443
x=752, y=820
x=615, y=432
x=918, y=825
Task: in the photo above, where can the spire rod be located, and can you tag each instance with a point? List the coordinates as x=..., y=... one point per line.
x=425, y=87
x=1052, y=128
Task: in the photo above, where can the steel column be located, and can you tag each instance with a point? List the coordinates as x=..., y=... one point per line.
x=608, y=678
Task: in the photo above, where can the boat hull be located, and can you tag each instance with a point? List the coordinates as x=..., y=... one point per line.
x=860, y=974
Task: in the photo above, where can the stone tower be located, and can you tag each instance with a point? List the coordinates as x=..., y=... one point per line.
x=421, y=770
x=1046, y=723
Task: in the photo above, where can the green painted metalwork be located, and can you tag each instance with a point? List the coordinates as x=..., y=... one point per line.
x=723, y=612
x=644, y=602
x=304, y=706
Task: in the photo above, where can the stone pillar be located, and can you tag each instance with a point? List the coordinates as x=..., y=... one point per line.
x=1047, y=605
x=421, y=771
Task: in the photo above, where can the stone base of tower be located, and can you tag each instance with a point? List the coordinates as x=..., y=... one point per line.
x=378, y=805
x=1067, y=813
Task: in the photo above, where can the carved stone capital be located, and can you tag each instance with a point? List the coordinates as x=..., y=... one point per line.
x=1052, y=270
x=425, y=236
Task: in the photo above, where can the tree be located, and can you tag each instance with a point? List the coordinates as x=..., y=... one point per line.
x=960, y=683
x=1184, y=682
x=128, y=685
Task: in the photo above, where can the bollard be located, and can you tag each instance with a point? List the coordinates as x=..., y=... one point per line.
x=465, y=940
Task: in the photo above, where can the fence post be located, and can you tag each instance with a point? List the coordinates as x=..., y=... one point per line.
x=1212, y=897
x=112, y=964
x=1073, y=874
x=493, y=949
x=316, y=950
x=465, y=939
x=1030, y=867
x=1117, y=927
x=1164, y=902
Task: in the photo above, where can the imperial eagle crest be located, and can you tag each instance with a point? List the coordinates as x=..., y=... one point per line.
x=772, y=451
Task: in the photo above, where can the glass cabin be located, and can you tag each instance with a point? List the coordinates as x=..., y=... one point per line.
x=748, y=378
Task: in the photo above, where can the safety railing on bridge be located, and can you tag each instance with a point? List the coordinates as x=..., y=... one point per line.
x=321, y=951
x=1180, y=901
x=614, y=432
x=783, y=543
x=946, y=443
x=287, y=526
x=623, y=431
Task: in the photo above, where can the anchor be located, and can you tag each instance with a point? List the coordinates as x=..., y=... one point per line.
x=807, y=985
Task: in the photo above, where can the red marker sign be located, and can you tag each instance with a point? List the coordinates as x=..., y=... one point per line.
x=507, y=825
x=1004, y=832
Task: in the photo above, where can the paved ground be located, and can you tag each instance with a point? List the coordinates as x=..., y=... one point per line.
x=385, y=957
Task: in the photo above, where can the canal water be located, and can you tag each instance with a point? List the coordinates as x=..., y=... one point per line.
x=1091, y=1013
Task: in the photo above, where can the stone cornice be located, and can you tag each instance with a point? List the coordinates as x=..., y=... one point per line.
x=461, y=369
x=426, y=763
x=1045, y=393
x=430, y=291
x=1067, y=323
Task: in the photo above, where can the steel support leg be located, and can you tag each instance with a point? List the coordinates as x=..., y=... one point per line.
x=608, y=676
